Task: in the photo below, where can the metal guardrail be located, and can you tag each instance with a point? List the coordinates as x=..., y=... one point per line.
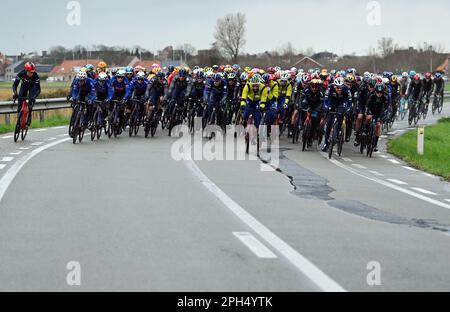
x=8, y=107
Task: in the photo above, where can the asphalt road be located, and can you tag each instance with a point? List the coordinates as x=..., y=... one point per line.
x=135, y=218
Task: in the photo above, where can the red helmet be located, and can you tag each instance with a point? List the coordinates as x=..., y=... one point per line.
x=416, y=77
x=221, y=68
x=271, y=70
x=428, y=75
x=30, y=67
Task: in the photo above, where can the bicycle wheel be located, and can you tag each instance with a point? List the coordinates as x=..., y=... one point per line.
x=17, y=129
x=305, y=135
x=340, y=143
x=441, y=104
x=24, y=132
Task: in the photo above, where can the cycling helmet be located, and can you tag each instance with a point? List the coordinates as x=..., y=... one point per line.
x=217, y=77
x=428, y=76
x=372, y=82
x=183, y=73
x=284, y=76
x=129, y=70
x=30, y=67
x=89, y=67
x=102, y=65
x=114, y=71
x=266, y=78
x=120, y=73
x=140, y=75
x=438, y=75
x=394, y=79
x=255, y=80
x=231, y=76
x=81, y=75
x=160, y=74
x=170, y=68
x=102, y=76
x=385, y=81
x=138, y=68
x=412, y=73
x=416, y=77
x=215, y=67
x=349, y=78
x=338, y=82
x=277, y=68
x=405, y=75
x=200, y=75
x=306, y=78
x=244, y=76
x=379, y=88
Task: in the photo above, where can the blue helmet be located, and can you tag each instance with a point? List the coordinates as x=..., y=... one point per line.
x=438, y=75
x=129, y=70
x=170, y=68
x=412, y=73
x=200, y=74
x=266, y=78
x=183, y=73
x=160, y=75
x=217, y=77
x=89, y=67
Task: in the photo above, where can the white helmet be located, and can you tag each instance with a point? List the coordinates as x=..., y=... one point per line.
x=140, y=75
x=284, y=75
x=120, y=73
x=385, y=81
x=339, y=82
x=366, y=74
x=81, y=75
x=102, y=76
x=405, y=75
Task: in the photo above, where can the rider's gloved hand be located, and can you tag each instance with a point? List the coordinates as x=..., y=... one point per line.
x=243, y=103
x=262, y=106
x=15, y=96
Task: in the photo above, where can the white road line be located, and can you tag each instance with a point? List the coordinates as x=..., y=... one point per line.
x=421, y=190
x=409, y=168
x=390, y=185
x=394, y=161
x=40, y=130
x=60, y=127
x=51, y=139
x=447, y=200
x=401, y=130
x=258, y=248
x=359, y=166
x=382, y=156
x=25, y=148
x=347, y=159
x=2, y=166
x=16, y=153
x=8, y=177
x=305, y=266
x=37, y=143
x=397, y=181
x=7, y=159
x=376, y=173
x=428, y=175
x=383, y=136
x=391, y=133
x=61, y=135
x=6, y=136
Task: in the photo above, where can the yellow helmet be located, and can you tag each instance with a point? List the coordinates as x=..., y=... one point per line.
x=349, y=78
x=102, y=65
x=83, y=69
x=394, y=79
x=177, y=69
x=248, y=69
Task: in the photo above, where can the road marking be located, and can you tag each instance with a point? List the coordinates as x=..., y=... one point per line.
x=382, y=156
x=394, y=161
x=347, y=159
x=391, y=133
x=37, y=143
x=6, y=136
x=401, y=130
x=387, y=184
x=2, y=166
x=7, y=159
x=323, y=281
x=397, y=181
x=409, y=168
x=428, y=175
x=40, y=130
x=359, y=166
x=376, y=173
x=421, y=190
x=60, y=127
x=258, y=248
x=16, y=153
x=51, y=139
x=61, y=135
x=9, y=176
x=383, y=136
x=25, y=148
x=447, y=200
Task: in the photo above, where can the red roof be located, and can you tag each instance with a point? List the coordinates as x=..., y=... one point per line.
x=67, y=67
x=146, y=63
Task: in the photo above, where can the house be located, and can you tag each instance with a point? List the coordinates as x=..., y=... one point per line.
x=146, y=63
x=68, y=69
x=307, y=63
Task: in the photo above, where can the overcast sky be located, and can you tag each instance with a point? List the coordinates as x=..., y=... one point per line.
x=339, y=26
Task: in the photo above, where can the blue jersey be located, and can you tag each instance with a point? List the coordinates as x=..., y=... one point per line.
x=215, y=93
x=119, y=88
x=335, y=101
x=136, y=89
x=83, y=91
x=104, y=91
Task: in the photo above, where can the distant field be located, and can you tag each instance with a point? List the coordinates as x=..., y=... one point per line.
x=49, y=89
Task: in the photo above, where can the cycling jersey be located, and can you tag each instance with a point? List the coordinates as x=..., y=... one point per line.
x=84, y=90
x=104, y=91
x=30, y=86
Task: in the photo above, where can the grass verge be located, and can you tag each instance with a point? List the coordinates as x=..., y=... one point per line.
x=52, y=121
x=436, y=158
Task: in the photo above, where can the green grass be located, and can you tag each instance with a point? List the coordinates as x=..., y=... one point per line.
x=53, y=121
x=436, y=158
x=48, y=90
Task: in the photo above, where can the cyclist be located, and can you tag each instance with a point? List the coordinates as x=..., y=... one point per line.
x=352, y=84
x=253, y=100
x=215, y=95
x=101, y=68
x=338, y=99
x=273, y=93
x=285, y=94
x=83, y=90
x=90, y=71
x=376, y=106
x=104, y=91
x=30, y=87
x=129, y=75
x=156, y=90
x=414, y=89
x=367, y=89
x=404, y=82
x=196, y=90
x=427, y=89
x=119, y=85
x=395, y=94
x=177, y=88
x=312, y=100
x=439, y=85
x=136, y=90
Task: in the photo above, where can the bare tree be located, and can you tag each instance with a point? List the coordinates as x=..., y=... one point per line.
x=230, y=35
x=386, y=46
